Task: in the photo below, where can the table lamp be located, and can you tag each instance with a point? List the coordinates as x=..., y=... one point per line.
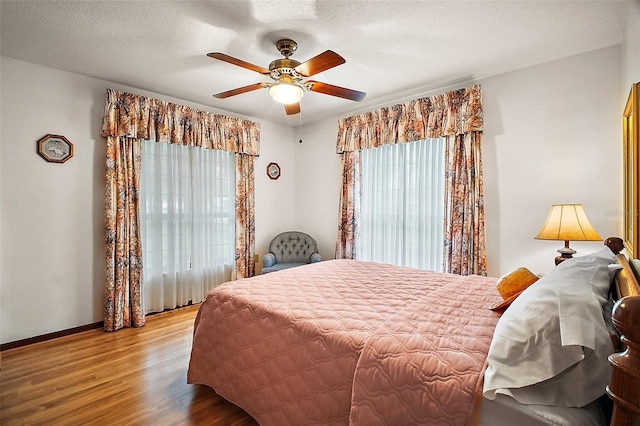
x=567, y=222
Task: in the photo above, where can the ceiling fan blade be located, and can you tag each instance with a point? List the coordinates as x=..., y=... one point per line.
x=238, y=62
x=330, y=89
x=292, y=109
x=240, y=90
x=319, y=63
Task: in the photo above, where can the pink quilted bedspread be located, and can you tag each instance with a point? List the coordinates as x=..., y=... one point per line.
x=347, y=342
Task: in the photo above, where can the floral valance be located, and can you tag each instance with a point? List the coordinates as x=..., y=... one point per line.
x=451, y=113
x=139, y=117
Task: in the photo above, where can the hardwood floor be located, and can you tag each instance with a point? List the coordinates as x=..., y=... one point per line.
x=129, y=377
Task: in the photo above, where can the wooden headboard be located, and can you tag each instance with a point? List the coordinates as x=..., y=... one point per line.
x=624, y=388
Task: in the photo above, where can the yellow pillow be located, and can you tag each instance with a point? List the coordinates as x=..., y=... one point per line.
x=511, y=285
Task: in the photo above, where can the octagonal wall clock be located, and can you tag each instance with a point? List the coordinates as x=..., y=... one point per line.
x=55, y=148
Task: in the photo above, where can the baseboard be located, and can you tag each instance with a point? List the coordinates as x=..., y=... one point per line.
x=74, y=330
x=50, y=336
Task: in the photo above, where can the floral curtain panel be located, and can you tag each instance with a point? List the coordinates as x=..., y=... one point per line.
x=123, y=252
x=465, y=251
x=349, y=207
x=128, y=118
x=451, y=115
x=245, y=217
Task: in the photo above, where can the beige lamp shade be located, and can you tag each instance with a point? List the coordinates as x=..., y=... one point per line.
x=568, y=222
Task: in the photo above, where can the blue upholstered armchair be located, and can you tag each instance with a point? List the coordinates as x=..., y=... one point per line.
x=289, y=249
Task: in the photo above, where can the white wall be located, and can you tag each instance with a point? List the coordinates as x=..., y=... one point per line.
x=631, y=57
x=52, y=215
x=275, y=199
x=318, y=185
x=552, y=135
x=52, y=265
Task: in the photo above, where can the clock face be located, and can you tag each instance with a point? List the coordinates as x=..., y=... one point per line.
x=273, y=170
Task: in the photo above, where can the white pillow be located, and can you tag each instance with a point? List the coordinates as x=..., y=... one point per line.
x=550, y=347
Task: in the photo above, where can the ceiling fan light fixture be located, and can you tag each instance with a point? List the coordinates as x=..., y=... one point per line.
x=286, y=93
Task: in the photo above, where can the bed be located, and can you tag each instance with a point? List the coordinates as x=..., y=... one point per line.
x=351, y=342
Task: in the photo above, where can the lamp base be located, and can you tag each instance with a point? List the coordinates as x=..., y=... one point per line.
x=566, y=252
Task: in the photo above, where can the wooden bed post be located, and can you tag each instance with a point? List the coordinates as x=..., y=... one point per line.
x=624, y=388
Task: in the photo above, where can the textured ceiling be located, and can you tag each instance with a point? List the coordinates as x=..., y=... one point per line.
x=392, y=48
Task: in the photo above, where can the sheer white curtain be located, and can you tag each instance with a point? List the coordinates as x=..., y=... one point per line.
x=402, y=209
x=187, y=198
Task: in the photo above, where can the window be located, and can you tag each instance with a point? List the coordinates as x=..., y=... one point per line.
x=187, y=209
x=402, y=204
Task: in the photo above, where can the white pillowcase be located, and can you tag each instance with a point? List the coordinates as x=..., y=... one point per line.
x=550, y=347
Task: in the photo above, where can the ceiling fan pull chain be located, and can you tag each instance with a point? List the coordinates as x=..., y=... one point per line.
x=300, y=128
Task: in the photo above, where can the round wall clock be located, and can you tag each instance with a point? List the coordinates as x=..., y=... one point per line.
x=55, y=148
x=273, y=170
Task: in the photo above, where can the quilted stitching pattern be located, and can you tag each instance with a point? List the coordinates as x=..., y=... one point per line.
x=413, y=371
x=295, y=347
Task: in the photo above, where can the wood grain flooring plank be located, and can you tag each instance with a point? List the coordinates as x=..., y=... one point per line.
x=134, y=376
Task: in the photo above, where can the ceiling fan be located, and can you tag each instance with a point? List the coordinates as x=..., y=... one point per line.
x=289, y=75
